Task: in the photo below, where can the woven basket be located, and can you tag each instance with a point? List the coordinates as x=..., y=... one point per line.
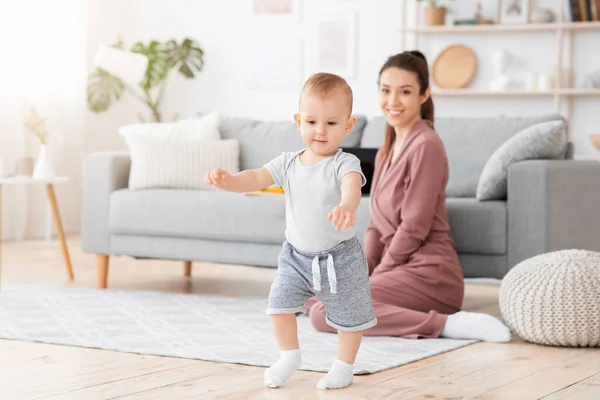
x=554, y=299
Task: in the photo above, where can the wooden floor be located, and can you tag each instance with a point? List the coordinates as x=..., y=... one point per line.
x=512, y=371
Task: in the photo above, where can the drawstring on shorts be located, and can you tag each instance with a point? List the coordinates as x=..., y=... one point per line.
x=316, y=274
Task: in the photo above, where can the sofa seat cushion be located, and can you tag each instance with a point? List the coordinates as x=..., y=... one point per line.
x=198, y=214
x=478, y=227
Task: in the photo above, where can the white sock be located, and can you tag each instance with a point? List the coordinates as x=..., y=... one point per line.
x=278, y=373
x=339, y=376
x=470, y=325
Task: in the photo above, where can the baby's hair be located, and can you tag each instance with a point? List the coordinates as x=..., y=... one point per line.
x=325, y=84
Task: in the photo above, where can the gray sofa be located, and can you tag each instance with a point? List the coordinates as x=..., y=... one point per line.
x=551, y=204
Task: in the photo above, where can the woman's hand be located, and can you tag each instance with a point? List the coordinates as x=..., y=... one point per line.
x=342, y=218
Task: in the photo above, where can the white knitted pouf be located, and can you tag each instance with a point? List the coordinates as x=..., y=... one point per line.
x=554, y=298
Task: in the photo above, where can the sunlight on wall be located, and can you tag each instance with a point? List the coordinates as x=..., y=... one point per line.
x=45, y=41
x=43, y=63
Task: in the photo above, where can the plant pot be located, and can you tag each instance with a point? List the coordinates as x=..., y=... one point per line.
x=43, y=168
x=435, y=16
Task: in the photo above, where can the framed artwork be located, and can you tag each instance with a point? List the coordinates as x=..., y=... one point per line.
x=276, y=10
x=514, y=11
x=334, y=42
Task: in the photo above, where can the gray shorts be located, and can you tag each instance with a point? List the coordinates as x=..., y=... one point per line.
x=339, y=277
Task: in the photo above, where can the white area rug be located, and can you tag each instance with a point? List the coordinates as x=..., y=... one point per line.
x=230, y=330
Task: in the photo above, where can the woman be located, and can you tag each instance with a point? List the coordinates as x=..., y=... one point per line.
x=416, y=280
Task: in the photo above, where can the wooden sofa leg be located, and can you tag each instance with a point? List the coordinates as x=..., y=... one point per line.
x=102, y=270
x=187, y=268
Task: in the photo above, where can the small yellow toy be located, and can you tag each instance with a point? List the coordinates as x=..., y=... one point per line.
x=274, y=189
x=269, y=190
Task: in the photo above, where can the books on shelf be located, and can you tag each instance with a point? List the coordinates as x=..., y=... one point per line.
x=473, y=22
x=582, y=10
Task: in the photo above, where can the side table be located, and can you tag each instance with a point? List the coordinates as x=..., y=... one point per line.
x=49, y=183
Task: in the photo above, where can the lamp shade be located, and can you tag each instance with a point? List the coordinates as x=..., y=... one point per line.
x=128, y=66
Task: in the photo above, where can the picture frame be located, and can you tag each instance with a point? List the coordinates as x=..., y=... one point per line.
x=276, y=11
x=514, y=11
x=334, y=43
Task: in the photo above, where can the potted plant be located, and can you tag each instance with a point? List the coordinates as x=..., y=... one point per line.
x=434, y=13
x=104, y=88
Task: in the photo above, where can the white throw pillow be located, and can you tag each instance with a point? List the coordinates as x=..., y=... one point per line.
x=206, y=127
x=178, y=162
x=546, y=140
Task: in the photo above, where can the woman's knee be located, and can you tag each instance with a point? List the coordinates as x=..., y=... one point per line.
x=310, y=303
x=380, y=288
x=317, y=315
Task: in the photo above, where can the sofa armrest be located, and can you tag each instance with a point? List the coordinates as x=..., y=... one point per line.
x=103, y=173
x=552, y=205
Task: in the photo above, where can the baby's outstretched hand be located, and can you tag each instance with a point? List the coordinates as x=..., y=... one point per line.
x=219, y=178
x=342, y=218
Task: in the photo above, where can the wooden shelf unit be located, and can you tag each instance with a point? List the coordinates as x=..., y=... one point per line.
x=505, y=28
x=510, y=93
x=563, y=87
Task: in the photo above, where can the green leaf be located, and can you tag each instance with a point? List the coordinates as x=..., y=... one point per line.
x=158, y=63
x=103, y=90
x=188, y=56
x=186, y=71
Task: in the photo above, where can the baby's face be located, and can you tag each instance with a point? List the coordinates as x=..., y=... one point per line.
x=323, y=122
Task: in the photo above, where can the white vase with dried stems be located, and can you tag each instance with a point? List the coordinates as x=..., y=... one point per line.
x=37, y=125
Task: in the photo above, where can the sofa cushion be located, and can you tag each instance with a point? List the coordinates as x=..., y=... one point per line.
x=207, y=215
x=374, y=133
x=547, y=140
x=181, y=163
x=262, y=141
x=204, y=127
x=478, y=227
x=198, y=214
x=469, y=143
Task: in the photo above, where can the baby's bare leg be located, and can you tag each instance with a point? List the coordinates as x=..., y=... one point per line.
x=348, y=345
x=285, y=330
x=341, y=372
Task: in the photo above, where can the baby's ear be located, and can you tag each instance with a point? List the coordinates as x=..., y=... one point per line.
x=297, y=119
x=350, y=125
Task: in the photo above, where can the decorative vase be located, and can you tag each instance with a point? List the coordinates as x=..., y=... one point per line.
x=435, y=16
x=43, y=167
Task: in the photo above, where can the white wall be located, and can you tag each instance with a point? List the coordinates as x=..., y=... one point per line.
x=225, y=31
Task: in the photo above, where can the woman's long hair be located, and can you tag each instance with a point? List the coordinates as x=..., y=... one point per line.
x=413, y=61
